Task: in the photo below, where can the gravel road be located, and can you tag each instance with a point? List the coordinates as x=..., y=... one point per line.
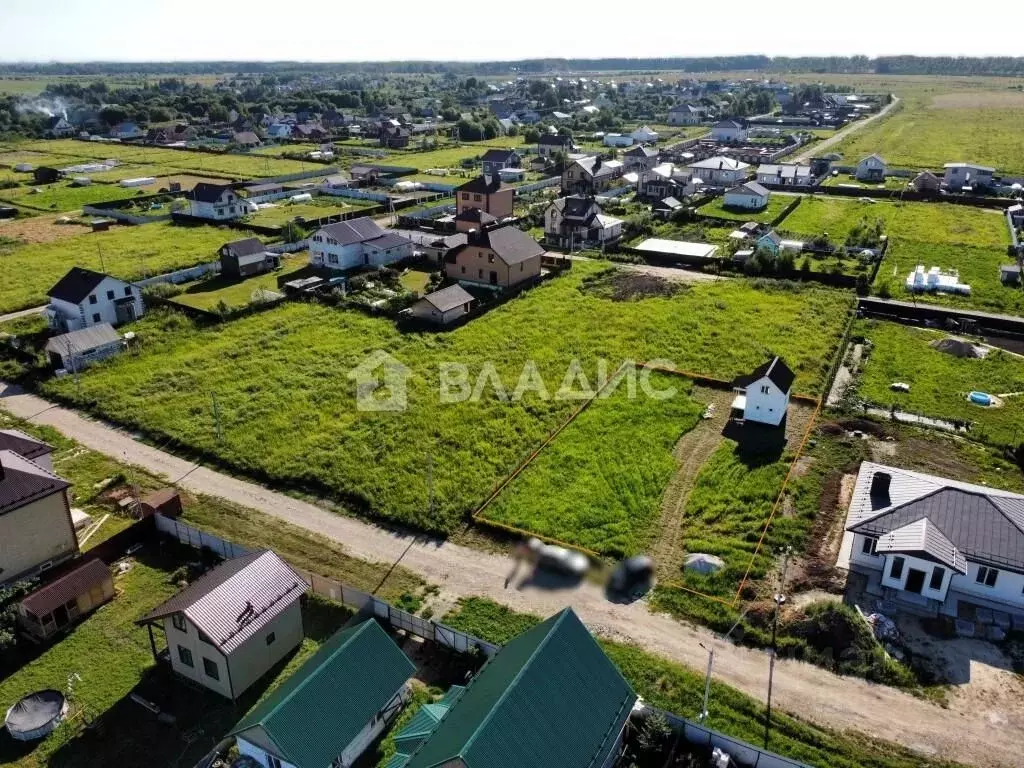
x=819, y=147
x=984, y=734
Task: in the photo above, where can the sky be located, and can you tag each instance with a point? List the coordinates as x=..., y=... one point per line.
x=357, y=30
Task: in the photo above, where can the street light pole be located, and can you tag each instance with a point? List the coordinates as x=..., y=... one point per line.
x=707, y=683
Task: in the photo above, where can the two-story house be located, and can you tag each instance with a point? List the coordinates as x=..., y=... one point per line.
x=217, y=201
x=83, y=298
x=720, y=171
x=502, y=257
x=729, y=132
x=486, y=193
x=36, y=529
x=870, y=168
x=356, y=243
x=58, y=127
x=763, y=396
x=577, y=221
x=495, y=160
x=958, y=176
x=685, y=114
x=930, y=543
x=227, y=628
x=548, y=145
x=784, y=174
x=590, y=175
x=640, y=158
x=393, y=134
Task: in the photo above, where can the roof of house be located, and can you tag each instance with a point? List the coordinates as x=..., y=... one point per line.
x=641, y=151
x=205, y=192
x=422, y=725
x=549, y=697
x=771, y=235
x=667, y=204
x=727, y=124
x=246, y=247
x=481, y=185
x=554, y=141
x=76, y=285
x=476, y=216
x=596, y=167
x=23, y=481
x=386, y=241
x=685, y=108
x=748, y=188
x=233, y=601
x=926, y=175
x=67, y=587
x=448, y=298
x=985, y=168
x=22, y=444
x=922, y=537
x=509, y=243
x=720, y=163
x=784, y=170
x=1010, y=269
x=775, y=369
x=83, y=340
x=257, y=189
x=870, y=157
x=246, y=137
x=353, y=231
x=575, y=206
x=499, y=155
x=317, y=712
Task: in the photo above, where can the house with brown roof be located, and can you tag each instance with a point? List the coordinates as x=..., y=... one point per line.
x=231, y=625
x=56, y=606
x=444, y=306
x=590, y=175
x=487, y=193
x=244, y=258
x=501, y=258
x=36, y=530
x=28, y=447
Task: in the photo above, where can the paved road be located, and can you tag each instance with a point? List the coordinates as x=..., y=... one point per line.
x=821, y=146
x=22, y=313
x=985, y=735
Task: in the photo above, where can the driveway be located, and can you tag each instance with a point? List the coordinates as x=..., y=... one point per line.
x=984, y=733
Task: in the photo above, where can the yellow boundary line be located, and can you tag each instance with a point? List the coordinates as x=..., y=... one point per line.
x=696, y=378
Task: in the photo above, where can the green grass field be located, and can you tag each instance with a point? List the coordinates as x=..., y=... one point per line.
x=678, y=689
x=280, y=421
x=317, y=208
x=943, y=121
x=62, y=197
x=939, y=382
x=599, y=483
x=776, y=204
x=448, y=157
x=126, y=252
x=207, y=294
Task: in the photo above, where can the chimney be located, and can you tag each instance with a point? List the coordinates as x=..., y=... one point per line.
x=880, y=482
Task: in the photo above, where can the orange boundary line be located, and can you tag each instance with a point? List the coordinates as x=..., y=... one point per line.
x=695, y=377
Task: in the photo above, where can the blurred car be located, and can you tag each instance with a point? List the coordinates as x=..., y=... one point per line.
x=633, y=576
x=557, y=558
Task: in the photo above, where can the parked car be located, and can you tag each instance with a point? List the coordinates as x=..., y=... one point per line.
x=557, y=558
x=634, y=576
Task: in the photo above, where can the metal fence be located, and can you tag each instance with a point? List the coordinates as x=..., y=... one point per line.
x=551, y=181
x=182, y=275
x=338, y=591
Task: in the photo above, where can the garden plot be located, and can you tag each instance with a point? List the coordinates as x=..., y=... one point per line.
x=63, y=196
x=776, y=205
x=598, y=483
x=940, y=380
x=287, y=406
x=226, y=293
x=39, y=229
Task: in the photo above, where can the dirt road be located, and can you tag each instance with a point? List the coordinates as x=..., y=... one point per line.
x=821, y=146
x=676, y=274
x=22, y=313
x=984, y=733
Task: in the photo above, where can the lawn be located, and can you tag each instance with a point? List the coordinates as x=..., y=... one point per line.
x=63, y=196
x=282, y=421
x=939, y=382
x=448, y=157
x=599, y=484
x=846, y=180
x=944, y=122
x=943, y=223
x=283, y=212
x=675, y=688
x=415, y=280
x=126, y=252
x=776, y=205
x=208, y=294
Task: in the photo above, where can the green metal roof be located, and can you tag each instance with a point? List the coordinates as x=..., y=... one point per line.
x=549, y=697
x=320, y=709
x=426, y=719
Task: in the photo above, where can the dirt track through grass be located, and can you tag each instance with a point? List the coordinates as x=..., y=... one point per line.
x=692, y=450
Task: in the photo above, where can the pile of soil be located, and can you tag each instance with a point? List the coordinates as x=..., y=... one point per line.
x=627, y=285
x=958, y=348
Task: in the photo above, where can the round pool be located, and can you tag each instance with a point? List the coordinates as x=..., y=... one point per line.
x=980, y=398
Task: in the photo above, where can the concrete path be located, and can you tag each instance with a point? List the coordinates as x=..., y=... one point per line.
x=987, y=735
x=821, y=146
x=22, y=313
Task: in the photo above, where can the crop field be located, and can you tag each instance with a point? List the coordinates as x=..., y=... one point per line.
x=939, y=381
x=207, y=294
x=918, y=222
x=942, y=124
x=126, y=252
x=287, y=406
x=776, y=205
x=599, y=483
x=63, y=197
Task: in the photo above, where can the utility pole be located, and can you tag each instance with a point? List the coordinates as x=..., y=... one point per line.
x=707, y=683
x=99, y=250
x=780, y=599
x=134, y=485
x=430, y=483
x=216, y=419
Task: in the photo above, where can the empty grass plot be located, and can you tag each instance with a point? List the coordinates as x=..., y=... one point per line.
x=226, y=293
x=599, y=482
x=717, y=208
x=64, y=196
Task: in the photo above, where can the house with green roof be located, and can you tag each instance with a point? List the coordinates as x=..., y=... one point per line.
x=550, y=697
x=334, y=706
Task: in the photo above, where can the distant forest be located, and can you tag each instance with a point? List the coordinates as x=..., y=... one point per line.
x=896, y=65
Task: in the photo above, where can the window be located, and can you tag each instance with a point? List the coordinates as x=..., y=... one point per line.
x=205, y=637
x=185, y=655
x=490, y=258
x=110, y=295
x=127, y=290
x=332, y=258
x=869, y=545
x=938, y=574
x=465, y=195
x=463, y=270
x=178, y=620
x=987, y=576
x=476, y=198
x=210, y=668
x=764, y=389
x=92, y=298
x=95, y=317
x=271, y=638
x=480, y=274
x=273, y=762
x=896, y=571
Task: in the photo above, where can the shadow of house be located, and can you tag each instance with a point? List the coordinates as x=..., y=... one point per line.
x=757, y=444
